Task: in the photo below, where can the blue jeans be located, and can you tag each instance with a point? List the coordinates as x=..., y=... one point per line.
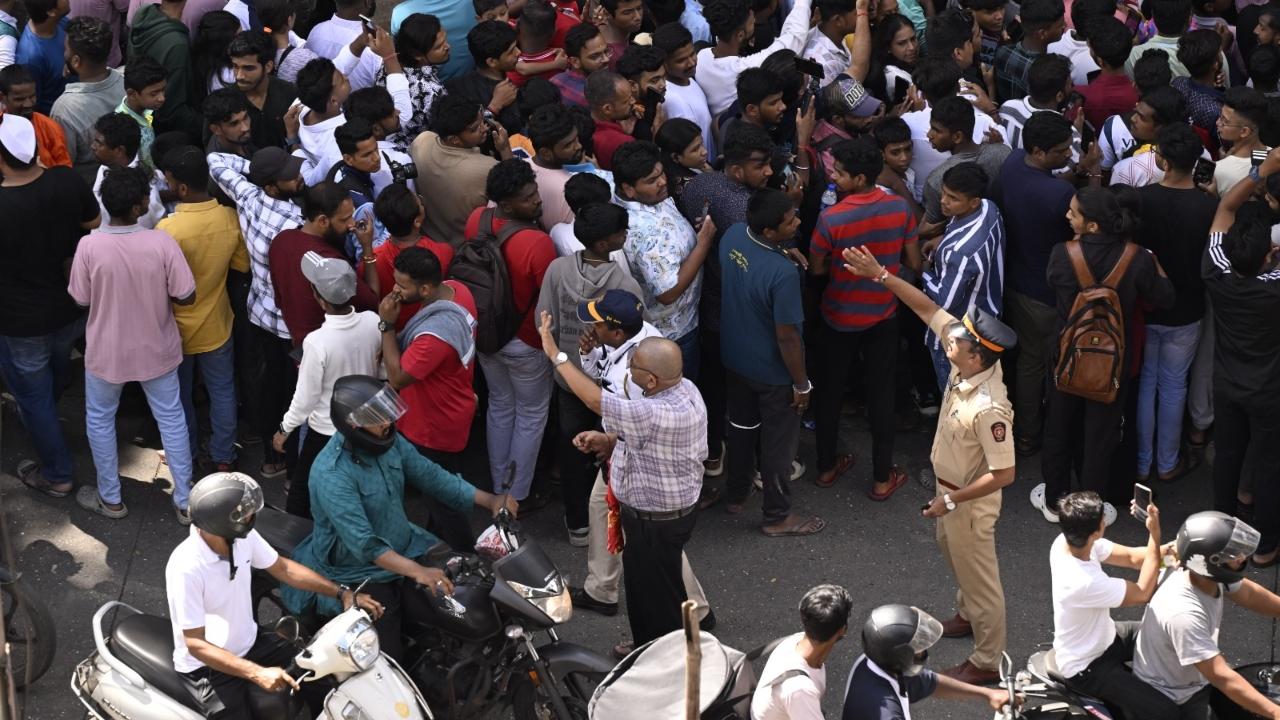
x=36, y=369
x=519, y=379
x=102, y=400
x=691, y=356
x=217, y=367
x=1162, y=393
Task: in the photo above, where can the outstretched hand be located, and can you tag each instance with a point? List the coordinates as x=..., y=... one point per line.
x=860, y=262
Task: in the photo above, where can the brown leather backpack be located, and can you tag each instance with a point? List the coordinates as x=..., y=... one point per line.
x=1091, y=346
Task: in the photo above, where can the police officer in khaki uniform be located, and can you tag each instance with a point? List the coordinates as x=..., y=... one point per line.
x=973, y=460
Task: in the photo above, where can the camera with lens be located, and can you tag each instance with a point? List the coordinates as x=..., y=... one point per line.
x=400, y=172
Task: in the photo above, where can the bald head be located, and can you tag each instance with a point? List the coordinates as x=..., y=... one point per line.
x=662, y=358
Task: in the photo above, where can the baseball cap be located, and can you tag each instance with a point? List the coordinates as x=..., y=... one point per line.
x=616, y=307
x=846, y=96
x=18, y=136
x=271, y=164
x=334, y=279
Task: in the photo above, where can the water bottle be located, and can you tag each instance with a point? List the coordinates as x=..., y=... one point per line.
x=829, y=197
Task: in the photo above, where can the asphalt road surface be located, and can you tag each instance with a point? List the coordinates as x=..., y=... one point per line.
x=882, y=552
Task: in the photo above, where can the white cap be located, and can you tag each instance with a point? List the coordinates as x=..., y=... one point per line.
x=18, y=136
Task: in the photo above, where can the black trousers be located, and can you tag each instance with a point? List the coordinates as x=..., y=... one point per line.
x=1245, y=437
x=1078, y=428
x=226, y=697
x=577, y=469
x=1107, y=679
x=452, y=527
x=651, y=573
x=761, y=419
x=299, y=500
x=270, y=376
x=836, y=351
x=711, y=383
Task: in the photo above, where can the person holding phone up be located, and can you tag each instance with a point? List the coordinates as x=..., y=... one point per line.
x=1090, y=649
x=973, y=460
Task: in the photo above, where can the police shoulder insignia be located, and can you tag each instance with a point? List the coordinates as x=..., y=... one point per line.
x=998, y=431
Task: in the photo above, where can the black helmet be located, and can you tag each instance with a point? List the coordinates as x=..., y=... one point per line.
x=1209, y=541
x=225, y=504
x=896, y=634
x=360, y=400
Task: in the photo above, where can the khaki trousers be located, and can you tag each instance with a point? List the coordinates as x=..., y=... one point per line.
x=967, y=538
x=604, y=569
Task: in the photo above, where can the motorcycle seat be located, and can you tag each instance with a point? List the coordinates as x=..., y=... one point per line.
x=1051, y=667
x=145, y=643
x=282, y=531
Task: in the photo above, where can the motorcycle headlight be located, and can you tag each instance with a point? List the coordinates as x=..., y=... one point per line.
x=361, y=644
x=552, y=599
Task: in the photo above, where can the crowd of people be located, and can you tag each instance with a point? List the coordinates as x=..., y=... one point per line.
x=659, y=229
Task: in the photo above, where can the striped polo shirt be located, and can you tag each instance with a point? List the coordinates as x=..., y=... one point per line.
x=879, y=221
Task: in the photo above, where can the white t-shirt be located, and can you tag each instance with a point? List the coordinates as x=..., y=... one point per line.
x=690, y=103
x=798, y=697
x=923, y=157
x=201, y=594
x=1077, y=51
x=327, y=39
x=1083, y=596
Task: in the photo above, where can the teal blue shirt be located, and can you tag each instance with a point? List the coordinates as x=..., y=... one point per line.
x=359, y=515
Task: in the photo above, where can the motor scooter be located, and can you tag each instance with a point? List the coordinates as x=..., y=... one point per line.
x=1046, y=694
x=131, y=674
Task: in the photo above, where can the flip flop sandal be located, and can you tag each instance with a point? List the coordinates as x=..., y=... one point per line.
x=809, y=526
x=30, y=475
x=897, y=479
x=843, y=463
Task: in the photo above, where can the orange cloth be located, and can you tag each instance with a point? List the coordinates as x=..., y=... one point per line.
x=51, y=142
x=616, y=540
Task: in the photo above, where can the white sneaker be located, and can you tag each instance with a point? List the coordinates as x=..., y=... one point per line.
x=1037, y=502
x=797, y=471
x=1108, y=513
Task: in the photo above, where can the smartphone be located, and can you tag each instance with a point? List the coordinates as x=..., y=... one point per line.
x=369, y=26
x=1203, y=173
x=1141, y=499
x=811, y=68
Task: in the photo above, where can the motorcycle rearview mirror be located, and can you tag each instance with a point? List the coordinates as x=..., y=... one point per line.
x=288, y=629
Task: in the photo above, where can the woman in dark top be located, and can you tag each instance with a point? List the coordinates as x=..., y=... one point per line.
x=894, y=49
x=421, y=45
x=1176, y=216
x=209, y=53
x=683, y=154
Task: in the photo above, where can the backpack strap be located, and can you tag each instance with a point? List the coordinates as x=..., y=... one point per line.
x=1076, y=255
x=1122, y=266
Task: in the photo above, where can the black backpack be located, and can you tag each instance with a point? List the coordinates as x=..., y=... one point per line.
x=479, y=265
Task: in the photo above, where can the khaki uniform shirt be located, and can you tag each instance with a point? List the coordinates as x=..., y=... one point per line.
x=975, y=427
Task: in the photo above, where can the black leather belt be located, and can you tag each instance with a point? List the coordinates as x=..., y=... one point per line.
x=947, y=485
x=658, y=516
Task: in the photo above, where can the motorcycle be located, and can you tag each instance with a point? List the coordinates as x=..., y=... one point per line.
x=1041, y=681
x=29, y=631
x=472, y=653
x=131, y=675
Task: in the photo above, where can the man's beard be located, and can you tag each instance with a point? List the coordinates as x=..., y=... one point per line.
x=334, y=239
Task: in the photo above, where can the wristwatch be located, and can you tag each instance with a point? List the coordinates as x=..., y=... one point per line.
x=560, y=359
x=341, y=590
x=384, y=326
x=946, y=500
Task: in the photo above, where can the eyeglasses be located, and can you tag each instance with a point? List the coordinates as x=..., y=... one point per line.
x=1222, y=121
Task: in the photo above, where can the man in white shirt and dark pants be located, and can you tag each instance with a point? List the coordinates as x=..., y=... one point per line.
x=227, y=662
x=1090, y=648
x=795, y=677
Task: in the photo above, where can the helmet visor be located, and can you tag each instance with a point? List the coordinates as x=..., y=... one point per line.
x=928, y=631
x=1244, y=541
x=250, y=503
x=384, y=408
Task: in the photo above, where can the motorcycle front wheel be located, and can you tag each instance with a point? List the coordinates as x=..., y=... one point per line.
x=29, y=630
x=531, y=702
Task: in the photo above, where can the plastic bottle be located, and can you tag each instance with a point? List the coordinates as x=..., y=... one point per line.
x=829, y=196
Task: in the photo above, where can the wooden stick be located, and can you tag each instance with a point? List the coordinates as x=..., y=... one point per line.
x=693, y=660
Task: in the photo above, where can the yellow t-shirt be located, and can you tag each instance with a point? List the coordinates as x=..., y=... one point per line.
x=209, y=236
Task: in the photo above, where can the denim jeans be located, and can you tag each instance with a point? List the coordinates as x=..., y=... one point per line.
x=1162, y=393
x=218, y=369
x=519, y=379
x=36, y=370
x=102, y=400
x=690, y=356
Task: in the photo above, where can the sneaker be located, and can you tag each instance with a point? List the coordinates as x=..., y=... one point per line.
x=582, y=599
x=715, y=468
x=797, y=471
x=809, y=424
x=1108, y=513
x=579, y=537
x=926, y=403
x=1037, y=502
x=183, y=516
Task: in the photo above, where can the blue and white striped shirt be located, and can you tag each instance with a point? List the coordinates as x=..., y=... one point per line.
x=968, y=265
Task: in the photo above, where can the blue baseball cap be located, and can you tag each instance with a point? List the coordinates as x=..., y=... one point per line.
x=616, y=307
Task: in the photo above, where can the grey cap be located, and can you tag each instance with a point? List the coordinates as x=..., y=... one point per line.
x=333, y=279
